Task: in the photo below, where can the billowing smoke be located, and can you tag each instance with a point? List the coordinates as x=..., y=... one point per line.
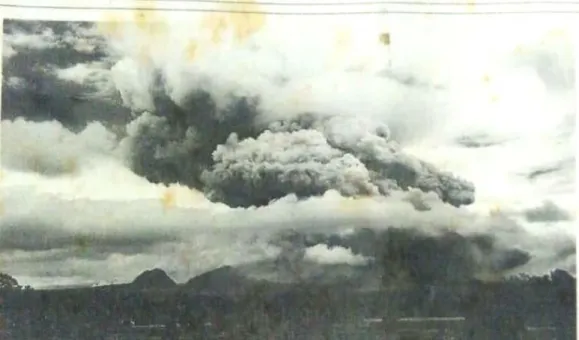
x=241, y=154
x=236, y=161
x=175, y=144
x=256, y=171
x=424, y=258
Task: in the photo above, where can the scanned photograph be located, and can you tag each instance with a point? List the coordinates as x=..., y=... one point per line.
x=221, y=175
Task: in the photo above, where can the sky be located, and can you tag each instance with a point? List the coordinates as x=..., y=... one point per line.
x=187, y=141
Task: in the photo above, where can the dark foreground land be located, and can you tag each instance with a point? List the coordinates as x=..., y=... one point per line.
x=223, y=305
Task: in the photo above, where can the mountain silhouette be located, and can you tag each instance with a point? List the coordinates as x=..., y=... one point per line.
x=154, y=278
x=224, y=280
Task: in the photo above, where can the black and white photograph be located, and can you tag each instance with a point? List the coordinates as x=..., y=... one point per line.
x=289, y=170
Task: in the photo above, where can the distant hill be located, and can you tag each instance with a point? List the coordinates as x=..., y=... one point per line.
x=154, y=278
x=224, y=280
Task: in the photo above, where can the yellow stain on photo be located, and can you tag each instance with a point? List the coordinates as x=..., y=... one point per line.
x=471, y=5
x=216, y=24
x=241, y=25
x=191, y=49
x=70, y=165
x=519, y=50
x=354, y=203
x=148, y=19
x=168, y=199
x=557, y=33
x=495, y=210
x=246, y=25
x=343, y=40
x=385, y=38
x=342, y=44
x=110, y=25
x=486, y=78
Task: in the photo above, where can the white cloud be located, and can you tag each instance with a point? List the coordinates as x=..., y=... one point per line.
x=323, y=254
x=49, y=148
x=39, y=41
x=8, y=51
x=95, y=78
x=15, y=82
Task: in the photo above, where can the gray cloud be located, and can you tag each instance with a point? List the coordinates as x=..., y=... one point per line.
x=37, y=54
x=548, y=212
